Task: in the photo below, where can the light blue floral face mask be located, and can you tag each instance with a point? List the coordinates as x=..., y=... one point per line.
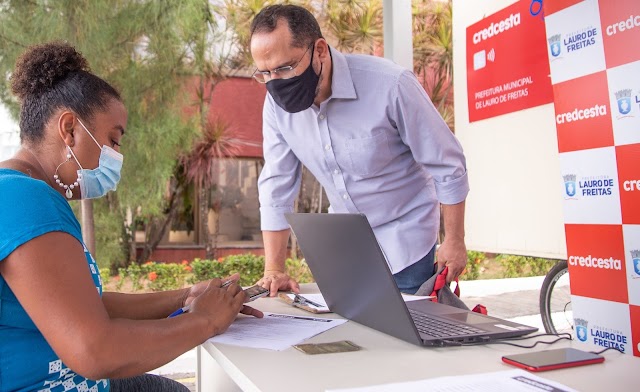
x=95, y=183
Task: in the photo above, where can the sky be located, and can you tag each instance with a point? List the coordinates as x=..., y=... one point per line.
x=9, y=137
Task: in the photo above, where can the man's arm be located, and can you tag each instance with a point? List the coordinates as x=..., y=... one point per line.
x=275, y=251
x=278, y=186
x=453, y=252
x=435, y=147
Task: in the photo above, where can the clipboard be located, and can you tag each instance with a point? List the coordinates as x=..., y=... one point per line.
x=300, y=302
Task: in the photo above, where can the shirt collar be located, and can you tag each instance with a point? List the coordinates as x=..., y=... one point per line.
x=341, y=82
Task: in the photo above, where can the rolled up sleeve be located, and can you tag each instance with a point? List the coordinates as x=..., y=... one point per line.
x=432, y=143
x=279, y=181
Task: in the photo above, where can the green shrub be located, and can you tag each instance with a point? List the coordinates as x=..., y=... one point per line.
x=105, y=275
x=122, y=274
x=513, y=265
x=134, y=273
x=169, y=276
x=521, y=266
x=540, y=266
x=299, y=270
x=204, y=270
x=475, y=260
x=249, y=266
x=153, y=276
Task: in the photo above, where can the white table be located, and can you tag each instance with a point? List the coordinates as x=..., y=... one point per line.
x=383, y=359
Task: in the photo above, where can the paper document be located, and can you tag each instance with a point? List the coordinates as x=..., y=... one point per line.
x=510, y=380
x=409, y=297
x=274, y=331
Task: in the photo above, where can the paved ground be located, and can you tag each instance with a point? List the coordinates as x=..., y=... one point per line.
x=515, y=299
x=505, y=298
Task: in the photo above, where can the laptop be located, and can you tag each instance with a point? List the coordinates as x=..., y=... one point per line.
x=355, y=280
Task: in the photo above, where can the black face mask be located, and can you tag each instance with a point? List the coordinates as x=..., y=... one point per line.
x=295, y=94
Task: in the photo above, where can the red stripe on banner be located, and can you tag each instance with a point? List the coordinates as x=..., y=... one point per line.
x=597, y=262
x=620, y=30
x=507, y=63
x=583, y=114
x=553, y=6
x=628, y=159
x=635, y=328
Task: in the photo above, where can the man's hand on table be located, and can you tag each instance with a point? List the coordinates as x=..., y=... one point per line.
x=276, y=280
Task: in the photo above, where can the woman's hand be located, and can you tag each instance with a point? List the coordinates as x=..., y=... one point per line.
x=219, y=305
x=196, y=290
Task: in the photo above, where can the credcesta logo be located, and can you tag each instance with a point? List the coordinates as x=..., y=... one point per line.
x=624, y=25
x=581, y=114
x=631, y=185
x=595, y=262
x=497, y=28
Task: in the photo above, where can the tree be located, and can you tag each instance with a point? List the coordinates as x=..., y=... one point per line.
x=353, y=26
x=141, y=47
x=201, y=167
x=433, y=53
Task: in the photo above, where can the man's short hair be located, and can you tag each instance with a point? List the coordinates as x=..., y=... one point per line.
x=303, y=26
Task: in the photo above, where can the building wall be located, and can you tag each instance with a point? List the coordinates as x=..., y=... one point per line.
x=174, y=254
x=238, y=102
x=515, y=201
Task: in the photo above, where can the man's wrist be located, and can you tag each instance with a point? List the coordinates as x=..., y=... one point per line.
x=454, y=238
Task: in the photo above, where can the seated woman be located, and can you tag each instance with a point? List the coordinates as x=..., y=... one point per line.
x=58, y=330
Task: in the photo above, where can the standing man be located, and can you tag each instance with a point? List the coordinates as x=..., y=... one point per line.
x=369, y=133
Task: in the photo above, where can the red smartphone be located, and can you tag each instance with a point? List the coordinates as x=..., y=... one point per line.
x=541, y=361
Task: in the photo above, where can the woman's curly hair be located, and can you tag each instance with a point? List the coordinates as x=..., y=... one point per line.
x=51, y=76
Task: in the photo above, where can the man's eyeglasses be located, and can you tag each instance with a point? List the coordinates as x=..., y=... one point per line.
x=286, y=72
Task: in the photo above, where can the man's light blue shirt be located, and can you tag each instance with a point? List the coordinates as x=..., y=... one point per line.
x=378, y=147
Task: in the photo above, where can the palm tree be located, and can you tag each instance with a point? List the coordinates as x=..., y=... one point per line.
x=354, y=26
x=201, y=168
x=433, y=53
x=433, y=58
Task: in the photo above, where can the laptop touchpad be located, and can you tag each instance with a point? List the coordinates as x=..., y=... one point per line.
x=469, y=318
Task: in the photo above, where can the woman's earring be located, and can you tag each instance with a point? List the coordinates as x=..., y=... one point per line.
x=68, y=188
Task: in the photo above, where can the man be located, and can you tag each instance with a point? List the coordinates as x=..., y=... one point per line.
x=368, y=132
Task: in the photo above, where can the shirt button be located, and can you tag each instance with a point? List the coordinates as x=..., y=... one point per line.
x=327, y=147
x=345, y=196
x=322, y=116
x=336, y=171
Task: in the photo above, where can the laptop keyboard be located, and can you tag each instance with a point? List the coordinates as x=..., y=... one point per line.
x=440, y=328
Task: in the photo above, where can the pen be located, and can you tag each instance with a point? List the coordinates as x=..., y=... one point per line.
x=187, y=307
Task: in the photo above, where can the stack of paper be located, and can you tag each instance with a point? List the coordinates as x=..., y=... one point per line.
x=274, y=331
